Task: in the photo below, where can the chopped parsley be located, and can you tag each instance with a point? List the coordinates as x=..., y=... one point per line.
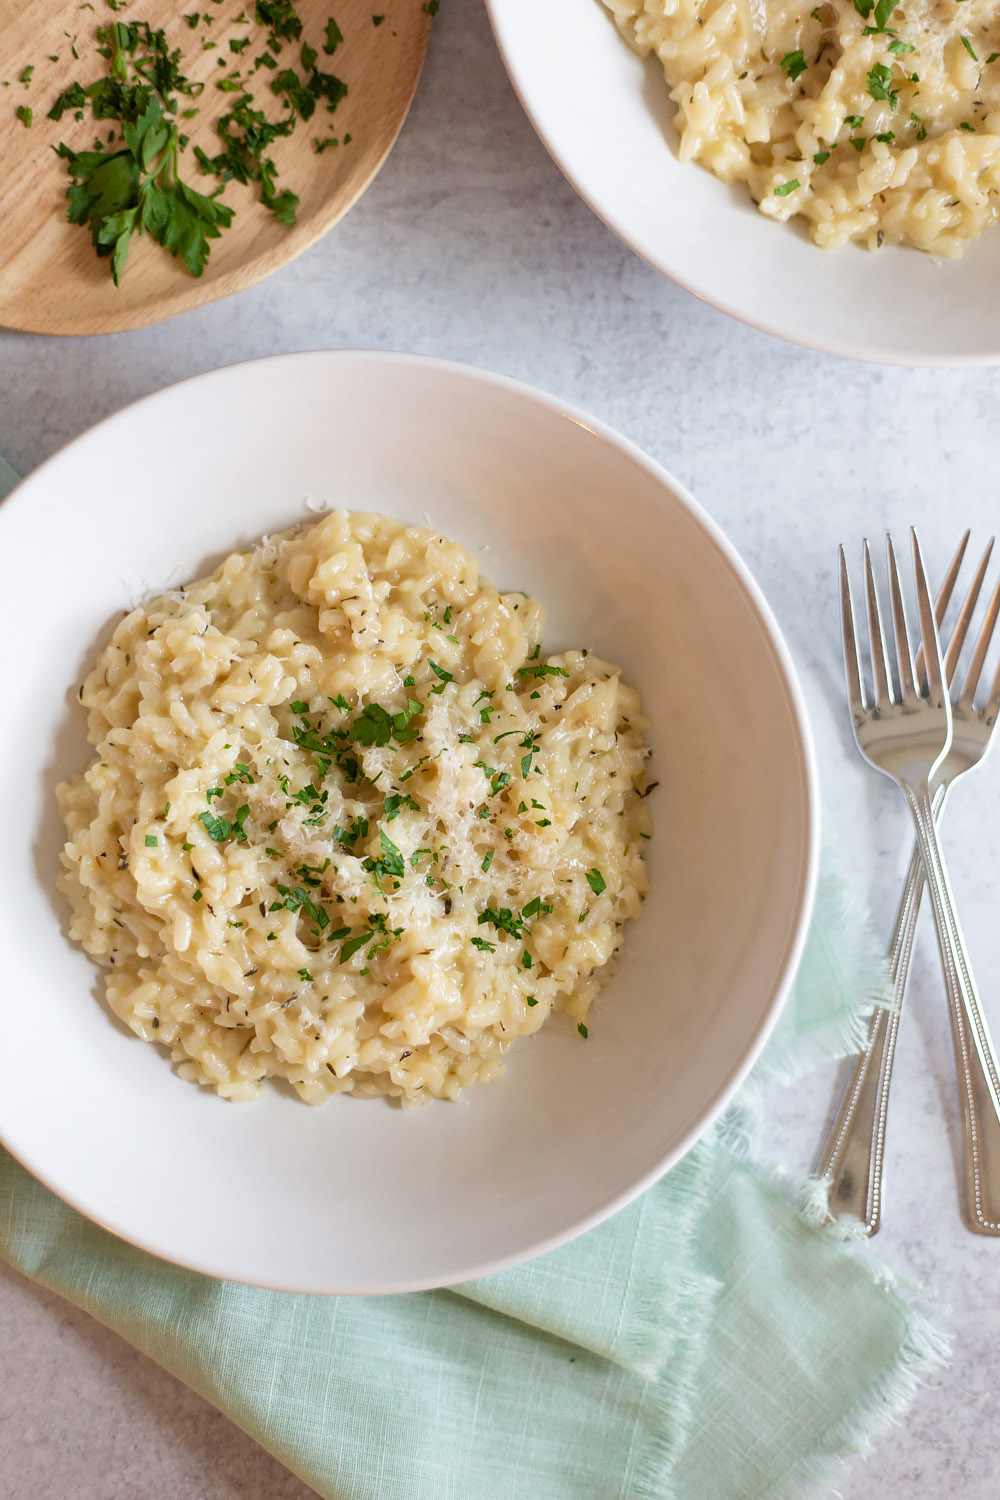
x=542, y=669
x=443, y=676
x=352, y=945
x=880, y=84
x=583, y=1031
x=151, y=841
x=390, y=862
x=793, y=65
x=394, y=804
x=218, y=829
x=785, y=188
x=883, y=10
x=596, y=882
x=132, y=185
x=503, y=919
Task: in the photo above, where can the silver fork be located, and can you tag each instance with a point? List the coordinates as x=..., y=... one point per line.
x=852, y=1157
x=907, y=737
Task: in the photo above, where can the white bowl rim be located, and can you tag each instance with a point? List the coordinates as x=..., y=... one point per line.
x=809, y=866
x=869, y=353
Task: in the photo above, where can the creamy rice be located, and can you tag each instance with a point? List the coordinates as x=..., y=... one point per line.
x=873, y=124
x=345, y=824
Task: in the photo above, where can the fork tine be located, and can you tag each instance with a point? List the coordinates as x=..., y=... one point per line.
x=937, y=689
x=852, y=664
x=904, y=656
x=944, y=599
x=880, y=662
x=950, y=579
x=964, y=621
x=982, y=646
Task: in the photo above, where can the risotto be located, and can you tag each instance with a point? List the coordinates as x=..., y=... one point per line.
x=872, y=122
x=346, y=825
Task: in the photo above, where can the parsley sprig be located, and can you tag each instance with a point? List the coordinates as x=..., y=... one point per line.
x=136, y=188
x=132, y=185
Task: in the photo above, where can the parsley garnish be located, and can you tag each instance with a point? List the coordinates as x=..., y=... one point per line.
x=487, y=861
x=785, y=188
x=389, y=863
x=793, y=65
x=880, y=84
x=151, y=841
x=583, y=1031
x=218, y=829
x=300, y=900
x=445, y=677
x=596, y=881
x=393, y=804
x=542, y=669
x=132, y=186
x=503, y=919
x=240, y=772
x=352, y=945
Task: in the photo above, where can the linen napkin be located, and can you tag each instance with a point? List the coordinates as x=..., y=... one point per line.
x=709, y=1342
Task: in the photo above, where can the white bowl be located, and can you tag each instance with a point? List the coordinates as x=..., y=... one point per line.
x=357, y=1196
x=606, y=118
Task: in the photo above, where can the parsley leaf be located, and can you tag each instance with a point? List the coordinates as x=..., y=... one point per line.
x=793, y=65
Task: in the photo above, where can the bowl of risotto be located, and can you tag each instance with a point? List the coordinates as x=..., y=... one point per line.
x=391, y=899
x=828, y=174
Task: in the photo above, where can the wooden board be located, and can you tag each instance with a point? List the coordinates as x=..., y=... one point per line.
x=51, y=281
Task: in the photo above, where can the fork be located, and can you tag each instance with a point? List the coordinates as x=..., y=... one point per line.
x=852, y=1157
x=907, y=736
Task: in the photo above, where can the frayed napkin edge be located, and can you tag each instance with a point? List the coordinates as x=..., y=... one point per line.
x=851, y=952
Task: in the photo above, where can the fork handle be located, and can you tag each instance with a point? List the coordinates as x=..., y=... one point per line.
x=854, y=1153
x=975, y=1057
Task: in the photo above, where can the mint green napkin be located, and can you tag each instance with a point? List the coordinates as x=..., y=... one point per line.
x=709, y=1342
